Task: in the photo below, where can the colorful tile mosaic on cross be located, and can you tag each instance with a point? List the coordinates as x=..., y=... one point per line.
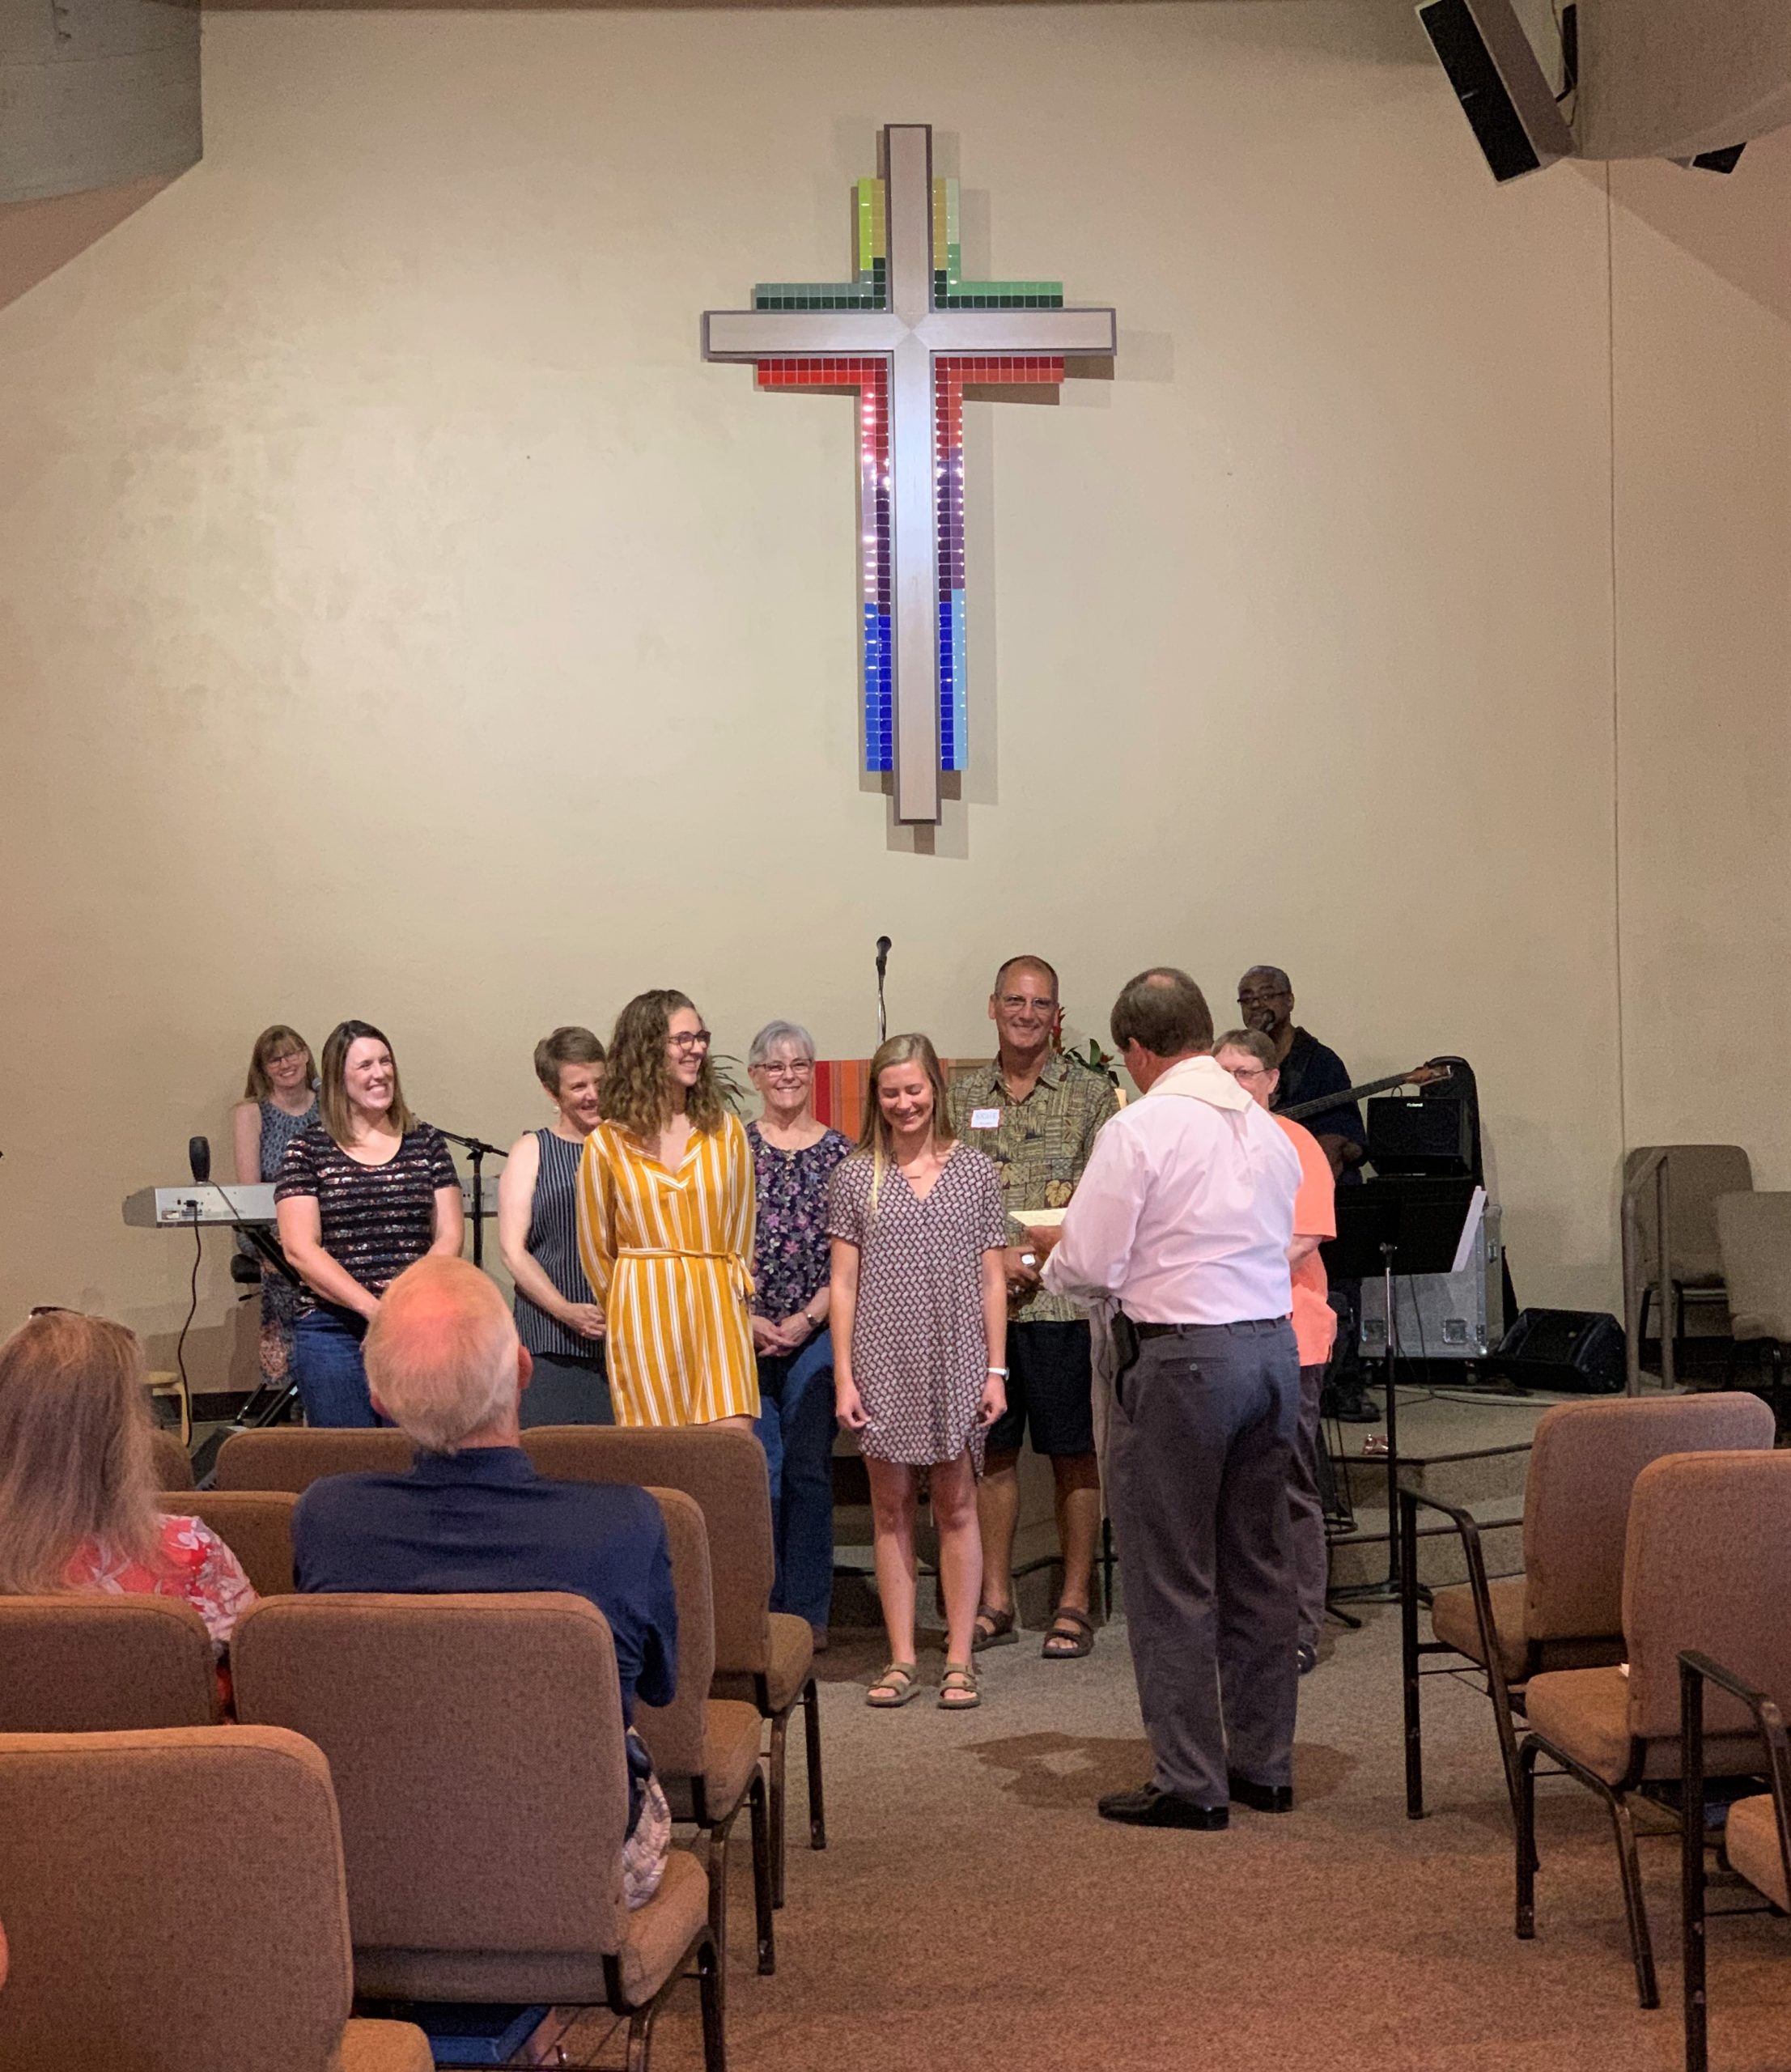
x=869, y=377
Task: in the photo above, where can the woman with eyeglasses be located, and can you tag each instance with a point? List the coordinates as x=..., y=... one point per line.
x=367, y=1192
x=665, y=1224
x=279, y=1101
x=793, y=1158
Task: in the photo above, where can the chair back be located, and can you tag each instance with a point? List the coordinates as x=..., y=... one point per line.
x=292, y=1457
x=674, y=1734
x=476, y=1744
x=725, y=1471
x=172, y=1899
x=95, y=1663
x=173, y=1463
x=255, y=1525
x=1707, y=1566
x=1695, y=1174
x=1754, y=1237
x=1583, y=1464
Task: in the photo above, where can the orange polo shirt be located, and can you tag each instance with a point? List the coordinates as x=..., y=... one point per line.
x=1314, y=1216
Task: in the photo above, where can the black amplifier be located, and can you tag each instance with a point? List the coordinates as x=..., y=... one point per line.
x=1417, y=1133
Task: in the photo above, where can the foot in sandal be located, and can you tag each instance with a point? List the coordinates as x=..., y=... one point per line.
x=994, y=1627
x=1072, y=1635
x=895, y=1687
x=958, y=1691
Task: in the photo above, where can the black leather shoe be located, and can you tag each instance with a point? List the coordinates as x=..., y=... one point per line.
x=1307, y=1656
x=1150, y=1807
x=1349, y=1407
x=1262, y=1797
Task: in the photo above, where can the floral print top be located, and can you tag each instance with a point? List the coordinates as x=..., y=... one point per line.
x=791, y=1261
x=195, y=1566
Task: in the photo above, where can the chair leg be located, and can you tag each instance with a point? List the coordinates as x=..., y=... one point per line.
x=715, y=2029
x=640, y=2025
x=1408, y=1660
x=811, y=1734
x=1634, y=1903
x=1691, y=1884
x=718, y=1836
x=1499, y=1692
x=778, y=1757
x=759, y=1799
x=1525, y=1843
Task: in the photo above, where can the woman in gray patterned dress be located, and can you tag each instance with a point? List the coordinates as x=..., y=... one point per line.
x=279, y=1100
x=920, y=1316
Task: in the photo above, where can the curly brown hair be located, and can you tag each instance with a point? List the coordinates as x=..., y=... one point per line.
x=636, y=1082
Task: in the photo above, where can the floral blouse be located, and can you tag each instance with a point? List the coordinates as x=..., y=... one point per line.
x=791, y=1259
x=196, y=1566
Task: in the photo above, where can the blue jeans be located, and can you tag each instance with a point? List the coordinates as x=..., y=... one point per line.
x=327, y=1366
x=795, y=1427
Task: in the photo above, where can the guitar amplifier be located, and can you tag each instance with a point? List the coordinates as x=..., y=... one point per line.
x=1415, y=1134
x=1570, y=1352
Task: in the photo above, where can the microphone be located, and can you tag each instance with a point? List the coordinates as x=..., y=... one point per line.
x=883, y=946
x=199, y=1158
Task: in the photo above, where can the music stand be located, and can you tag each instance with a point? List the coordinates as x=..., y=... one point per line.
x=1398, y=1225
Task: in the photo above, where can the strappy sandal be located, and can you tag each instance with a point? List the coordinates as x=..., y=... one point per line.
x=1001, y=1634
x=1070, y=1636
x=958, y=1691
x=898, y=1683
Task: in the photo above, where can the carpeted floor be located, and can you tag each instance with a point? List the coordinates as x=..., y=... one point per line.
x=972, y=1910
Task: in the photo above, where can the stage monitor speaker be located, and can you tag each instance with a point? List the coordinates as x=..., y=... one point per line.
x=1570, y=1351
x=1420, y=1135
x=1504, y=91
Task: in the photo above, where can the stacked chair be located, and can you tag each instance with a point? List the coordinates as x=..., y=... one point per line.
x=113, y=1846
x=1707, y=1567
x=1565, y=1610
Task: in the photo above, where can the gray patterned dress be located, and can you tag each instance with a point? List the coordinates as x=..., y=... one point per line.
x=918, y=1352
x=279, y=1297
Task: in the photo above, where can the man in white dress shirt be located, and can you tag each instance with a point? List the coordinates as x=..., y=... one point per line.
x=1184, y=1215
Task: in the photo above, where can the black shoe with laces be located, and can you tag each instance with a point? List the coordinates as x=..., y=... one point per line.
x=1149, y=1806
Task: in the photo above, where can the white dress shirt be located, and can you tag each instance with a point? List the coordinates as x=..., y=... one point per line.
x=1186, y=1209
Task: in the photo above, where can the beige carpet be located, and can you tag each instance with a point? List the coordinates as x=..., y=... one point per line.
x=972, y=1910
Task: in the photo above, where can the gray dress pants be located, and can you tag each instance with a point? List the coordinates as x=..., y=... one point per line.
x=1202, y=1443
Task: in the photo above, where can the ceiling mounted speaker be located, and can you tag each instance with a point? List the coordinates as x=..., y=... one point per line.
x=1504, y=91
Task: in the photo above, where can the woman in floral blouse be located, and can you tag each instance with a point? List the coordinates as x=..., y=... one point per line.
x=793, y=1156
x=78, y=1479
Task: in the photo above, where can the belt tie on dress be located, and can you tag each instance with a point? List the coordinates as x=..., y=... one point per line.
x=738, y=1277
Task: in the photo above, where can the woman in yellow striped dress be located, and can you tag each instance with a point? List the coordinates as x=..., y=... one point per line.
x=666, y=1202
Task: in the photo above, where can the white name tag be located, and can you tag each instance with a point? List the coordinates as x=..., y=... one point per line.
x=985, y=1118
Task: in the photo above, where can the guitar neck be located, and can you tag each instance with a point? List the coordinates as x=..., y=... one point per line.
x=1300, y=1110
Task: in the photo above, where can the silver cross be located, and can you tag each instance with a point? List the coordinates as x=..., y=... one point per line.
x=910, y=335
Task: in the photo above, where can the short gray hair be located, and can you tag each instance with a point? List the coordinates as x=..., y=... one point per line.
x=1272, y=972
x=775, y=1034
x=441, y=1353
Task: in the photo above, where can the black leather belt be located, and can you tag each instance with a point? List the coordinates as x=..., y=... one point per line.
x=1162, y=1331
x=1172, y=1330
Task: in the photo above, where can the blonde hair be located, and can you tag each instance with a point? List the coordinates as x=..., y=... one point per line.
x=441, y=1353
x=333, y=1110
x=876, y=1137
x=76, y=1462
x=258, y=1086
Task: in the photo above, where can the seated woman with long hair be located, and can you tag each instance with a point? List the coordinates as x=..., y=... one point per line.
x=78, y=1479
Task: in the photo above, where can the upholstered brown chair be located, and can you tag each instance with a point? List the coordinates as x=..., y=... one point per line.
x=476, y=1744
x=706, y=1750
x=1756, y=1837
x=763, y=1657
x=255, y=1525
x=292, y=1457
x=1565, y=1610
x=95, y=1663
x=1706, y=1565
x=116, y=1850
x=173, y=1463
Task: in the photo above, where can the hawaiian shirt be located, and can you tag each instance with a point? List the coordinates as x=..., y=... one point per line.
x=1039, y=1145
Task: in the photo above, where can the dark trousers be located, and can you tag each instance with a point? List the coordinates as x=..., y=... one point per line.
x=796, y=1428
x=563, y=1390
x=329, y=1369
x=1199, y=1454
x=1311, y=1555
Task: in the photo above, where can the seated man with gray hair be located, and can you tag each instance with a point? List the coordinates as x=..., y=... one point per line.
x=444, y=1362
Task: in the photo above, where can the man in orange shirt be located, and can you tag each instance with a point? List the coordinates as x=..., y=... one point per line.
x=1249, y=1058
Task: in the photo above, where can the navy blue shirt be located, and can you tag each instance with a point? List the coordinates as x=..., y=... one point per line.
x=484, y=1520
x=1309, y=1070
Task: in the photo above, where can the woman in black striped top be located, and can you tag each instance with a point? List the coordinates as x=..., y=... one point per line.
x=366, y=1193
x=557, y=1318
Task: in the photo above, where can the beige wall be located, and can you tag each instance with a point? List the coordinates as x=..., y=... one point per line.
x=364, y=488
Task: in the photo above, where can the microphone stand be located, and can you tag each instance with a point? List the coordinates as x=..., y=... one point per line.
x=883, y=948
x=477, y=1151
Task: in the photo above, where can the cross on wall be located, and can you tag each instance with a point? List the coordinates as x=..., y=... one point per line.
x=907, y=335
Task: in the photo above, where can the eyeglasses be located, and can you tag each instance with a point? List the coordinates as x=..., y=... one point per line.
x=700, y=1041
x=1263, y=999
x=286, y=1058
x=788, y=1068
x=1018, y=1003
x=1249, y=1072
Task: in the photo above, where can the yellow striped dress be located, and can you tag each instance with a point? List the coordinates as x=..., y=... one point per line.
x=669, y=1255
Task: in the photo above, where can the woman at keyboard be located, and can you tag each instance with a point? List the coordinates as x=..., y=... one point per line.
x=363, y=1194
